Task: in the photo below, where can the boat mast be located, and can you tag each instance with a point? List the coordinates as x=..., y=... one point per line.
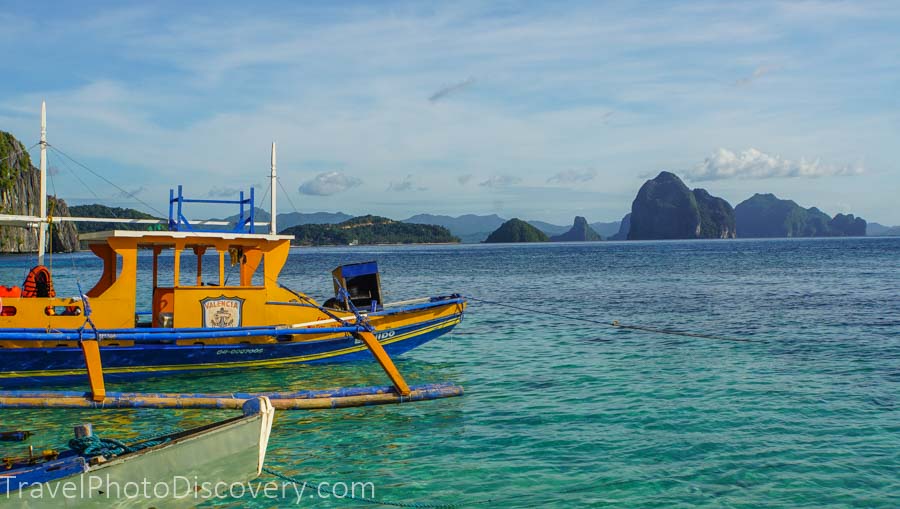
x=273, y=228
x=42, y=227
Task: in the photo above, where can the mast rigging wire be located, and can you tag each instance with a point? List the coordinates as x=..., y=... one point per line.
x=101, y=177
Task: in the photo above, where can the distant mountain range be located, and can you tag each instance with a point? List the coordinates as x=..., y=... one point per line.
x=696, y=213
x=667, y=209
x=471, y=228
x=289, y=219
x=880, y=230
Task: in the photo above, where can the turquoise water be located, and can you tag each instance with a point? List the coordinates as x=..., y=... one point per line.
x=563, y=414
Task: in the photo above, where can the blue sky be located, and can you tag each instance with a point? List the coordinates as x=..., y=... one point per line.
x=529, y=109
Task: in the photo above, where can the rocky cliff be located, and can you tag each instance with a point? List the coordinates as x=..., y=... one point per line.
x=624, y=228
x=580, y=232
x=716, y=216
x=19, y=191
x=665, y=208
x=765, y=215
x=516, y=230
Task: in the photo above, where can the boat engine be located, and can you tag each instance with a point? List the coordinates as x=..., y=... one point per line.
x=362, y=283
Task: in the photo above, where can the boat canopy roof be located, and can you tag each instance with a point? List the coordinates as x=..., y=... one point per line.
x=168, y=238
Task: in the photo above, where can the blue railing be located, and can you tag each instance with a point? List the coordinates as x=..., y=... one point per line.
x=178, y=222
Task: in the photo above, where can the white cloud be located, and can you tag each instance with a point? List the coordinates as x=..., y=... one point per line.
x=754, y=164
x=408, y=183
x=573, y=177
x=326, y=184
x=501, y=181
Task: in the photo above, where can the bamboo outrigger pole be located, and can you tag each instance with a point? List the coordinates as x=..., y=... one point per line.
x=42, y=227
x=273, y=229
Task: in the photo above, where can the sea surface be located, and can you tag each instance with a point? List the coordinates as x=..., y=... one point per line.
x=562, y=413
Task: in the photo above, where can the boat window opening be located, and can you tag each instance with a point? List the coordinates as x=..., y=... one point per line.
x=63, y=310
x=8, y=311
x=146, y=279
x=183, y=267
x=232, y=268
x=143, y=319
x=205, y=271
x=259, y=275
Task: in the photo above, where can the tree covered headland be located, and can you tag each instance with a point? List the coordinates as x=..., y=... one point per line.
x=368, y=230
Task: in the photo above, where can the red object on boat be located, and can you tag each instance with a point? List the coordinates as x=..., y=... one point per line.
x=39, y=283
x=10, y=291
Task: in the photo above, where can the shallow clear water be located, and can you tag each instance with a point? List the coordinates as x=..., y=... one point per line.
x=559, y=413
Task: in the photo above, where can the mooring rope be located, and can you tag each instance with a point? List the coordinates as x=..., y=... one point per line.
x=109, y=447
x=616, y=324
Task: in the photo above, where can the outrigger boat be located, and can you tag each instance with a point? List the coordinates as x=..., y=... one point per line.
x=169, y=470
x=201, y=324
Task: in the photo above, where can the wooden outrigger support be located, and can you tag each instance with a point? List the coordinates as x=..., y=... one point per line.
x=91, y=349
x=385, y=360
x=98, y=397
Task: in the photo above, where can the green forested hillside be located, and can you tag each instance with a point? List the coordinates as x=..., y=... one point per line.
x=369, y=230
x=97, y=210
x=516, y=230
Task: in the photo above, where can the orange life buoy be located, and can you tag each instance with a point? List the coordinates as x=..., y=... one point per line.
x=39, y=283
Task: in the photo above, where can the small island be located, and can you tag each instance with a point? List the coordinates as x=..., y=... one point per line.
x=516, y=230
x=665, y=208
x=581, y=231
x=766, y=215
x=369, y=230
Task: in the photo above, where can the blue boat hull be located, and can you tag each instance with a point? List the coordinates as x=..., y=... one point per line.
x=64, y=365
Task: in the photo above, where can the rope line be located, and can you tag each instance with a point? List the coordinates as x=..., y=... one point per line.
x=108, y=447
x=101, y=177
x=616, y=324
x=265, y=194
x=18, y=152
x=286, y=194
x=75, y=174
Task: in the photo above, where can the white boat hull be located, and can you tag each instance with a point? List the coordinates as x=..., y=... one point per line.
x=197, y=465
